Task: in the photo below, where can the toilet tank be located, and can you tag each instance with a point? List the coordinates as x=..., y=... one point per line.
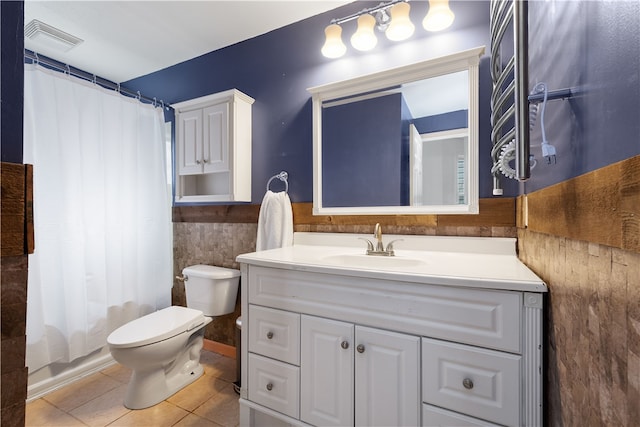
x=212, y=290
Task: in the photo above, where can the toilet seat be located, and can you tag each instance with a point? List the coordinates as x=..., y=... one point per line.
x=155, y=327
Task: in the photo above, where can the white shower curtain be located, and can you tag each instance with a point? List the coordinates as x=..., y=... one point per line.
x=101, y=214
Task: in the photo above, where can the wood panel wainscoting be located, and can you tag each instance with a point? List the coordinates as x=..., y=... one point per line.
x=582, y=237
x=601, y=207
x=16, y=241
x=495, y=219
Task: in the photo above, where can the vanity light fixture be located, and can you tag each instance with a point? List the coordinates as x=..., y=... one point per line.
x=396, y=27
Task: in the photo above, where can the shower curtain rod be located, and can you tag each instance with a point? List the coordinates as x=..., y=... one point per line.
x=108, y=84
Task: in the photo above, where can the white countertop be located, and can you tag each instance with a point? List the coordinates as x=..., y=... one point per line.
x=479, y=262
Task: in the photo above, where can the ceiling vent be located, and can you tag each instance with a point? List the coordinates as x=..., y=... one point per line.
x=49, y=36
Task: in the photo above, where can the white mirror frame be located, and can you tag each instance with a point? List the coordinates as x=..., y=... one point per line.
x=460, y=61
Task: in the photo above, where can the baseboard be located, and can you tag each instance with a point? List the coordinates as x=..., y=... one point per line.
x=220, y=348
x=47, y=385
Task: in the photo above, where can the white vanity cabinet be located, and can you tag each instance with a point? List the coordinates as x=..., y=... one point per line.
x=213, y=148
x=327, y=345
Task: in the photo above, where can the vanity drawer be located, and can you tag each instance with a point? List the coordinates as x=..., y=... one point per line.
x=476, y=381
x=274, y=384
x=274, y=333
x=433, y=416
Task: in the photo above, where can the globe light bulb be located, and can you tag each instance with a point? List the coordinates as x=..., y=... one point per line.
x=439, y=16
x=333, y=46
x=364, y=38
x=401, y=27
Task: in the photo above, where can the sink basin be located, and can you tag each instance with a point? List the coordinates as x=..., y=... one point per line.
x=372, y=261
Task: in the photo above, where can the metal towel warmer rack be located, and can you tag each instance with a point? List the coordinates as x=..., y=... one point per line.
x=509, y=98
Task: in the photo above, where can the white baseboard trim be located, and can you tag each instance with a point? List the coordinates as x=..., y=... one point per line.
x=46, y=386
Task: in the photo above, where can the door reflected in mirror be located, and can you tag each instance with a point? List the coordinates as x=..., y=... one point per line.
x=439, y=157
x=400, y=141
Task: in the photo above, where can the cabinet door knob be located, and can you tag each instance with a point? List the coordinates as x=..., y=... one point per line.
x=197, y=162
x=360, y=348
x=344, y=344
x=269, y=335
x=467, y=383
x=269, y=386
x=206, y=161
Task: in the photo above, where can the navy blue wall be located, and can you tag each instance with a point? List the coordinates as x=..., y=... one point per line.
x=11, y=80
x=593, y=47
x=277, y=68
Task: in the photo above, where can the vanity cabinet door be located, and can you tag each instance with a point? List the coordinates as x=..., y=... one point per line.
x=387, y=378
x=326, y=372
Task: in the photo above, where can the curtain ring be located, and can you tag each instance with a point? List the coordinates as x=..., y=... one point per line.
x=119, y=88
x=37, y=59
x=68, y=70
x=139, y=96
x=155, y=103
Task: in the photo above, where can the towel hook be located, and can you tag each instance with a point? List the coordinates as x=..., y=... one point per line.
x=282, y=176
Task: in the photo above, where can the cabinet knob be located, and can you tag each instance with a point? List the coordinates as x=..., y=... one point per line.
x=344, y=344
x=197, y=162
x=360, y=348
x=467, y=383
x=269, y=386
x=206, y=160
x=269, y=335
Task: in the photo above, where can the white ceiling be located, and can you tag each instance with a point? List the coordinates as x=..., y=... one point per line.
x=128, y=39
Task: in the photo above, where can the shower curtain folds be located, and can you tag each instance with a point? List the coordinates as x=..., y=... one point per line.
x=101, y=214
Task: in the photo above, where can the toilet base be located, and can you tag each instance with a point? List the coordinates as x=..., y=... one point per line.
x=150, y=387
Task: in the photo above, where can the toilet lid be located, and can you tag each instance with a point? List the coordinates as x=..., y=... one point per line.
x=156, y=326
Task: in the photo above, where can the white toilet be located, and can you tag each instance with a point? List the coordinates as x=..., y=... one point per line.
x=163, y=348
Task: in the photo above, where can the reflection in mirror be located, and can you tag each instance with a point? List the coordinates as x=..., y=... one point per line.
x=399, y=141
x=439, y=157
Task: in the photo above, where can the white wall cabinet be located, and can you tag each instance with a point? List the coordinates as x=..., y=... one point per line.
x=213, y=148
x=370, y=352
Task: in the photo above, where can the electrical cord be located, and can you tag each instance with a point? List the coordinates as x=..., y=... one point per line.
x=548, y=150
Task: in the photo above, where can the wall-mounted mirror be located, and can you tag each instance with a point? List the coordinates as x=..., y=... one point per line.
x=401, y=141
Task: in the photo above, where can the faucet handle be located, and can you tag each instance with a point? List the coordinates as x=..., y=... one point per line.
x=389, y=249
x=369, y=244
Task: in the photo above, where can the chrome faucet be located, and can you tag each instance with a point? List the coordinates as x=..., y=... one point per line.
x=377, y=233
x=379, y=248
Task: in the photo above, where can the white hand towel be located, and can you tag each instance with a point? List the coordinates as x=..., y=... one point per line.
x=275, y=222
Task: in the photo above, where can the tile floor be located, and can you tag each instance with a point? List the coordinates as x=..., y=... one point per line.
x=96, y=400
